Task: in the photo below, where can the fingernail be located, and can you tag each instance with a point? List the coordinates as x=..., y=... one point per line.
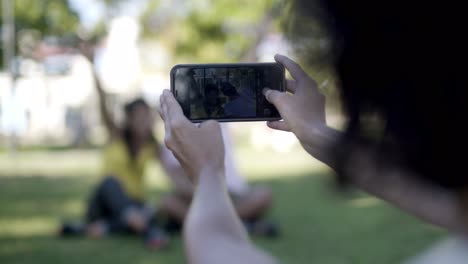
x=265, y=90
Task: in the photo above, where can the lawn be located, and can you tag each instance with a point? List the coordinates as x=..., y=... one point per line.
x=40, y=188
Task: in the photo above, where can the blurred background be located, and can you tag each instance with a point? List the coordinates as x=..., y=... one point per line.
x=51, y=132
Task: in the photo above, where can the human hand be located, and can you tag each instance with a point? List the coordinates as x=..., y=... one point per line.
x=302, y=109
x=198, y=148
x=173, y=169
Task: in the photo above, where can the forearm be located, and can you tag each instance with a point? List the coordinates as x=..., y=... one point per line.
x=321, y=142
x=102, y=101
x=406, y=191
x=180, y=181
x=211, y=216
x=213, y=232
x=106, y=116
x=388, y=181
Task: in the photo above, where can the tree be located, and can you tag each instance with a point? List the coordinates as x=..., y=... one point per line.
x=208, y=31
x=47, y=17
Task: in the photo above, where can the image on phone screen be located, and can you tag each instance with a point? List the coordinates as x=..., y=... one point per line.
x=226, y=92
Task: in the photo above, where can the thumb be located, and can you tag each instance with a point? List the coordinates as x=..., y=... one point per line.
x=210, y=124
x=275, y=97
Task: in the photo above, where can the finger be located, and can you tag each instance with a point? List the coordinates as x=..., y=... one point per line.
x=291, y=86
x=275, y=97
x=163, y=107
x=296, y=71
x=279, y=125
x=174, y=111
x=162, y=98
x=167, y=127
x=176, y=121
x=164, y=115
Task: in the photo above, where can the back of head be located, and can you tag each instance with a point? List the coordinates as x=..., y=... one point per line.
x=402, y=61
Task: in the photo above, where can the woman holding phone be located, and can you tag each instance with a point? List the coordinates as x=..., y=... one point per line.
x=391, y=63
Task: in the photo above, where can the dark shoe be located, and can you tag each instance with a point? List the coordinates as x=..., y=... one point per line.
x=156, y=239
x=262, y=228
x=72, y=230
x=173, y=227
x=167, y=223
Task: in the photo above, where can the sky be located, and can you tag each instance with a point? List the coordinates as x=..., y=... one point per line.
x=90, y=11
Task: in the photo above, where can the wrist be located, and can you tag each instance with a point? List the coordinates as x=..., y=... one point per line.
x=211, y=171
x=321, y=142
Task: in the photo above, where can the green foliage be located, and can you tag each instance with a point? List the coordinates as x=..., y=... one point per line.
x=206, y=31
x=54, y=17
x=48, y=17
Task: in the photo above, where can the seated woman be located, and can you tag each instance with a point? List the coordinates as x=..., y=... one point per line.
x=117, y=204
x=251, y=202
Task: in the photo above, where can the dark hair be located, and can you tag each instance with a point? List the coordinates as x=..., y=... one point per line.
x=228, y=89
x=404, y=62
x=211, y=87
x=127, y=133
x=130, y=106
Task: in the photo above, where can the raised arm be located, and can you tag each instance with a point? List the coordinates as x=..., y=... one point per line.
x=213, y=232
x=303, y=112
x=88, y=52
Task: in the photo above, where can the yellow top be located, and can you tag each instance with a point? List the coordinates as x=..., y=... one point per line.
x=129, y=172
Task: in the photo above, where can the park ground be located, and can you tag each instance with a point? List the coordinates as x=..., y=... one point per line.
x=39, y=188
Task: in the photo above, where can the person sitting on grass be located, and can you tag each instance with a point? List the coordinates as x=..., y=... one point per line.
x=117, y=204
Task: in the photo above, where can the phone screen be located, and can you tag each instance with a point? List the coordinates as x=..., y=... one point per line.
x=227, y=92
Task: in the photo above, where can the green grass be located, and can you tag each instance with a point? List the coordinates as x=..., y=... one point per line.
x=39, y=189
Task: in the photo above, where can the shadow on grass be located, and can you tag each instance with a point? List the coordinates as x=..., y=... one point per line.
x=318, y=225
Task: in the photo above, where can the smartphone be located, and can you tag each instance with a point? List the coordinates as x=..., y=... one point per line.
x=227, y=92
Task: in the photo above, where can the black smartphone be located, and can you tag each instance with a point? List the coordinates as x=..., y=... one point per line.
x=227, y=92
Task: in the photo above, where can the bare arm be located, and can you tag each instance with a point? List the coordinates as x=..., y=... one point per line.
x=111, y=127
x=303, y=111
x=113, y=130
x=213, y=232
x=395, y=184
